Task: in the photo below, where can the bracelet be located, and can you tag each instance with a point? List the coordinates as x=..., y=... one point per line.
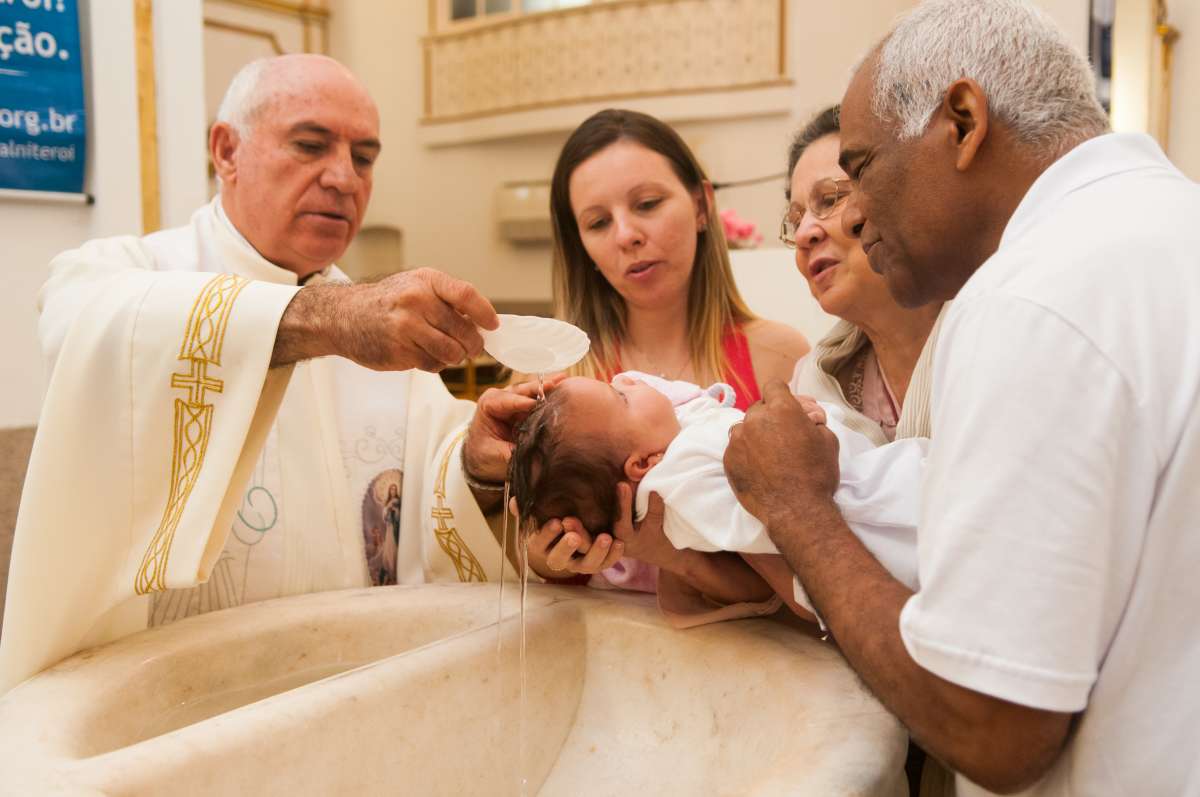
x=473, y=483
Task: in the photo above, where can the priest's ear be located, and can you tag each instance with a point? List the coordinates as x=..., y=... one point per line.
x=638, y=465
x=223, y=143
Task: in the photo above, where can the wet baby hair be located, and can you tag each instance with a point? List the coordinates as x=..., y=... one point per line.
x=559, y=472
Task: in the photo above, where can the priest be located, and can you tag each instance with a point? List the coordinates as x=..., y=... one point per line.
x=228, y=419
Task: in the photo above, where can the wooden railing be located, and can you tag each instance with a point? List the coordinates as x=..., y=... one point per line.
x=612, y=50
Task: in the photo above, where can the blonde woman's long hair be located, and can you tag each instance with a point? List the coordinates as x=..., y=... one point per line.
x=585, y=298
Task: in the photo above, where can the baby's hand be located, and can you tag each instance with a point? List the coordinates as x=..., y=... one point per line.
x=814, y=411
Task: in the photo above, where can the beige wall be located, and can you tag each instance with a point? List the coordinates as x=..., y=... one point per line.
x=1072, y=17
x=442, y=197
x=34, y=232
x=1184, y=141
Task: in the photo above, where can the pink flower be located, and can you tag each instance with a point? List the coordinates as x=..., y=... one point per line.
x=740, y=233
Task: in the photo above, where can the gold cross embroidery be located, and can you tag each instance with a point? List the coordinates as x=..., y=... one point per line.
x=202, y=343
x=196, y=382
x=452, y=544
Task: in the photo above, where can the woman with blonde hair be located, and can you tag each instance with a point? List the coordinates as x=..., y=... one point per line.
x=642, y=266
x=641, y=263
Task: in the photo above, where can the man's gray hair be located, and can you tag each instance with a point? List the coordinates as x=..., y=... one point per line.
x=1036, y=83
x=244, y=98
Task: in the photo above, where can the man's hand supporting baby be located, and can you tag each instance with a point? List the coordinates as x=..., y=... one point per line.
x=784, y=469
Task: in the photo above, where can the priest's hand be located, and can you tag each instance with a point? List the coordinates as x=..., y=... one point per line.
x=491, y=435
x=780, y=461
x=415, y=319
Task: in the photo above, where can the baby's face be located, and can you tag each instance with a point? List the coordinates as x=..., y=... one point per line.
x=627, y=408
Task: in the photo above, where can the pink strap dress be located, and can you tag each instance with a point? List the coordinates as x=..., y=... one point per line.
x=629, y=573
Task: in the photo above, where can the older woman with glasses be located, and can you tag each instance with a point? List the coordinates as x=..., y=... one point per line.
x=874, y=361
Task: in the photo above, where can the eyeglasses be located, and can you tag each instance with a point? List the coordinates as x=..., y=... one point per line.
x=824, y=198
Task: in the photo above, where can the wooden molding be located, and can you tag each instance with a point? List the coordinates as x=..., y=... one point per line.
x=636, y=95
x=309, y=15
x=290, y=7
x=143, y=22
x=1167, y=36
x=258, y=33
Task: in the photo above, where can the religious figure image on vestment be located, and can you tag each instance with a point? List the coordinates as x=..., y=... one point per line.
x=381, y=525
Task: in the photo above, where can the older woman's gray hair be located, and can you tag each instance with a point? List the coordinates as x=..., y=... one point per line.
x=1036, y=83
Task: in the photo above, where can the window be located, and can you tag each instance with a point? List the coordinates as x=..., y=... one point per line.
x=467, y=10
x=530, y=6
x=470, y=9
x=1100, y=48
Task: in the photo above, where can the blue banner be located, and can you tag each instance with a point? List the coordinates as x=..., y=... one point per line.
x=43, y=130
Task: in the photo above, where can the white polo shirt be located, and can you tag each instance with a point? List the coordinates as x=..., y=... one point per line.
x=1059, y=543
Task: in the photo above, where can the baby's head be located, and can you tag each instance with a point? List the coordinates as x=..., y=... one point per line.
x=583, y=440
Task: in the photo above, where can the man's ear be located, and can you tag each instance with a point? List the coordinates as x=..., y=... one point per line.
x=638, y=465
x=965, y=107
x=223, y=142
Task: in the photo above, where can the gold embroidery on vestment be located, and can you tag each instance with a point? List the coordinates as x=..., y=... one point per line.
x=201, y=348
x=465, y=563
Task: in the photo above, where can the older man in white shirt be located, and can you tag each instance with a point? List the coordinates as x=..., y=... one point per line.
x=194, y=429
x=1051, y=646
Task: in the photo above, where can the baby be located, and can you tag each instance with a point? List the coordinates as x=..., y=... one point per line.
x=669, y=438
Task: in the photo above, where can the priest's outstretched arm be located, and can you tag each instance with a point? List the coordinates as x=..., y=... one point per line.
x=168, y=359
x=416, y=319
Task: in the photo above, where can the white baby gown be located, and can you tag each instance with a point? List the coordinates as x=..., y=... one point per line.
x=879, y=493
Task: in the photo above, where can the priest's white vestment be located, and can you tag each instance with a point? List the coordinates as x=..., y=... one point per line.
x=168, y=454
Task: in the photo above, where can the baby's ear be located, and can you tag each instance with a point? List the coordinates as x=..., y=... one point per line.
x=637, y=465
